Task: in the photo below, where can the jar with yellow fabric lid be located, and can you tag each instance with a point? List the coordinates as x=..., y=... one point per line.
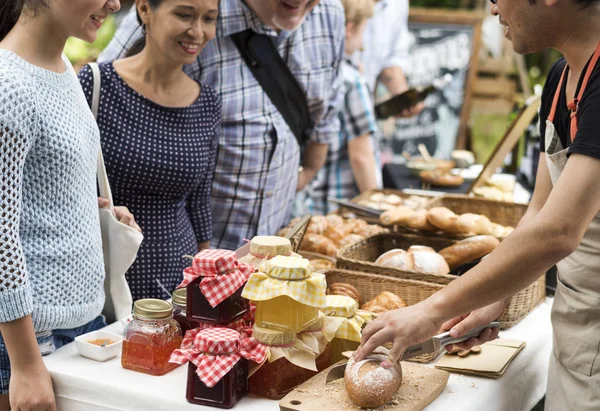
x=344, y=316
x=318, y=336
x=264, y=248
x=289, y=363
x=287, y=294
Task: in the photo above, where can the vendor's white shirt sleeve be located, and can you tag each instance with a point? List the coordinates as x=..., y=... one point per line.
x=386, y=39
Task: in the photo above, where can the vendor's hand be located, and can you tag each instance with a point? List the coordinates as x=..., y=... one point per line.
x=121, y=213
x=31, y=388
x=411, y=112
x=460, y=325
x=404, y=327
x=303, y=180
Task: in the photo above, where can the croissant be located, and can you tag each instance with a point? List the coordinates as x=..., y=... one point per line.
x=385, y=301
x=318, y=244
x=317, y=225
x=344, y=289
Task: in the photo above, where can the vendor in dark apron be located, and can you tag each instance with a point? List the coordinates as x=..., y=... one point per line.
x=574, y=374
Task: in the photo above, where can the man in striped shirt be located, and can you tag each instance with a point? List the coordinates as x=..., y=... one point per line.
x=256, y=174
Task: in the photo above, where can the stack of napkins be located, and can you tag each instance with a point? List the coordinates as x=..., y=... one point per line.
x=492, y=362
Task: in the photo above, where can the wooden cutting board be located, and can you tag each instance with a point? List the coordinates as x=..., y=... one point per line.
x=420, y=386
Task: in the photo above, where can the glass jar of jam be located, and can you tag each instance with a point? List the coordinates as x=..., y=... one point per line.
x=221, y=377
x=150, y=338
x=286, y=293
x=214, y=290
x=278, y=375
x=179, y=311
x=349, y=320
x=264, y=247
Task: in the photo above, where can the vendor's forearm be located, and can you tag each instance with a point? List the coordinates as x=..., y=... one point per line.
x=20, y=341
x=394, y=80
x=313, y=159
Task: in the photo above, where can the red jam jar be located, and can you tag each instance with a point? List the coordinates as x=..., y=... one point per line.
x=225, y=394
x=214, y=287
x=179, y=311
x=150, y=338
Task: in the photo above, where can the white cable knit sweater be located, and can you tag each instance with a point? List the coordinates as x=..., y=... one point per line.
x=51, y=262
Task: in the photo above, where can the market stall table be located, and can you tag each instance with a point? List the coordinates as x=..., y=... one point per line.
x=81, y=384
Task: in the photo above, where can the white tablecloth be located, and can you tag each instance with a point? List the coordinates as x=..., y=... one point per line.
x=85, y=385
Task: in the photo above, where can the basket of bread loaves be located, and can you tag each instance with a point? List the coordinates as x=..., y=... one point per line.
x=434, y=260
x=325, y=235
x=457, y=217
x=378, y=294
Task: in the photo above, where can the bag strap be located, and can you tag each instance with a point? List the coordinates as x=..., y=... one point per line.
x=103, y=185
x=276, y=79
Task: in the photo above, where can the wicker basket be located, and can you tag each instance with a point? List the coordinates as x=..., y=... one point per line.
x=371, y=285
x=361, y=256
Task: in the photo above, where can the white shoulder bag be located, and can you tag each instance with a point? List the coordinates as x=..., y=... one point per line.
x=120, y=242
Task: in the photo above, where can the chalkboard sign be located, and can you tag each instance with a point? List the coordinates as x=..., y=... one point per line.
x=441, y=42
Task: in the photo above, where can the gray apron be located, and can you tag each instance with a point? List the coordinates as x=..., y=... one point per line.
x=574, y=372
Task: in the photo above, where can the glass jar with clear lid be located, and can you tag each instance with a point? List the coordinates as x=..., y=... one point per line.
x=150, y=338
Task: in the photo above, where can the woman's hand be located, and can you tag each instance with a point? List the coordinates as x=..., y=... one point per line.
x=121, y=213
x=404, y=327
x=460, y=325
x=31, y=388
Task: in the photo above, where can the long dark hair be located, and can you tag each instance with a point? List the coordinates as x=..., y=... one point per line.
x=10, y=11
x=139, y=45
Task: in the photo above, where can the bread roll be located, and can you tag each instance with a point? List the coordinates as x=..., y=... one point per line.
x=318, y=244
x=427, y=261
x=474, y=223
x=344, y=289
x=393, y=199
x=334, y=220
x=351, y=239
x=507, y=231
x=441, y=178
x=420, y=248
x=444, y=219
x=385, y=301
x=334, y=233
x=469, y=249
x=368, y=384
x=418, y=221
x=321, y=264
x=396, y=258
x=496, y=230
x=318, y=225
x=369, y=230
x=396, y=216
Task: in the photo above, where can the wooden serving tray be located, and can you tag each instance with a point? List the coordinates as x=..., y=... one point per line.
x=420, y=386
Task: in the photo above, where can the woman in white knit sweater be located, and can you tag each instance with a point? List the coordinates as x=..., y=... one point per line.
x=51, y=263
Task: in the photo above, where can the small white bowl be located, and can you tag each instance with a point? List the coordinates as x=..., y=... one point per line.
x=97, y=352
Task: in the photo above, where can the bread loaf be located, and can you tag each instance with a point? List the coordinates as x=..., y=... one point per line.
x=418, y=221
x=368, y=384
x=427, y=261
x=496, y=230
x=344, y=289
x=469, y=249
x=441, y=178
x=474, y=223
x=396, y=258
x=444, y=219
x=351, y=239
x=385, y=301
x=318, y=244
x=396, y=216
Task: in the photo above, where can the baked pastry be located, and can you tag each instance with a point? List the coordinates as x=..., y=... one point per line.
x=368, y=384
x=369, y=230
x=321, y=264
x=440, y=178
x=496, y=230
x=397, y=258
x=385, y=301
x=444, y=219
x=474, y=223
x=418, y=221
x=393, y=199
x=344, y=289
x=351, y=239
x=318, y=224
x=334, y=233
x=427, y=261
x=334, y=220
x=318, y=244
x=396, y=216
x=469, y=249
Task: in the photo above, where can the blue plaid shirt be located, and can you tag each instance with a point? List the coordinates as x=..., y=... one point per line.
x=257, y=163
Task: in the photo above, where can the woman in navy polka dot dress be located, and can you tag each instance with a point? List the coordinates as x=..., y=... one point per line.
x=158, y=130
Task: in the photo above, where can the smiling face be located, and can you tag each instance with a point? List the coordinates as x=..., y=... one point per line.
x=179, y=29
x=529, y=25
x=285, y=15
x=82, y=18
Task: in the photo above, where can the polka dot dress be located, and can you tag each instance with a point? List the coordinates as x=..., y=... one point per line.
x=160, y=163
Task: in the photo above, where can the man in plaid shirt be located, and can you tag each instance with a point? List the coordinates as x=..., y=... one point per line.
x=256, y=174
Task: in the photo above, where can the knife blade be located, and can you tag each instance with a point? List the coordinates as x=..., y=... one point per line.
x=430, y=346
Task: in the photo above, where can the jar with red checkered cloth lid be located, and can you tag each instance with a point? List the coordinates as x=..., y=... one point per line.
x=218, y=365
x=265, y=247
x=214, y=287
x=289, y=363
x=287, y=294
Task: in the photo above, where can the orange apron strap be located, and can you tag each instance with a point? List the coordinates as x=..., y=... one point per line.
x=573, y=105
x=557, y=95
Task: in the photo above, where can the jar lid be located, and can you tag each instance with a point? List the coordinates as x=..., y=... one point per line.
x=273, y=338
x=152, y=309
x=340, y=306
x=218, y=341
x=263, y=246
x=287, y=268
x=180, y=297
